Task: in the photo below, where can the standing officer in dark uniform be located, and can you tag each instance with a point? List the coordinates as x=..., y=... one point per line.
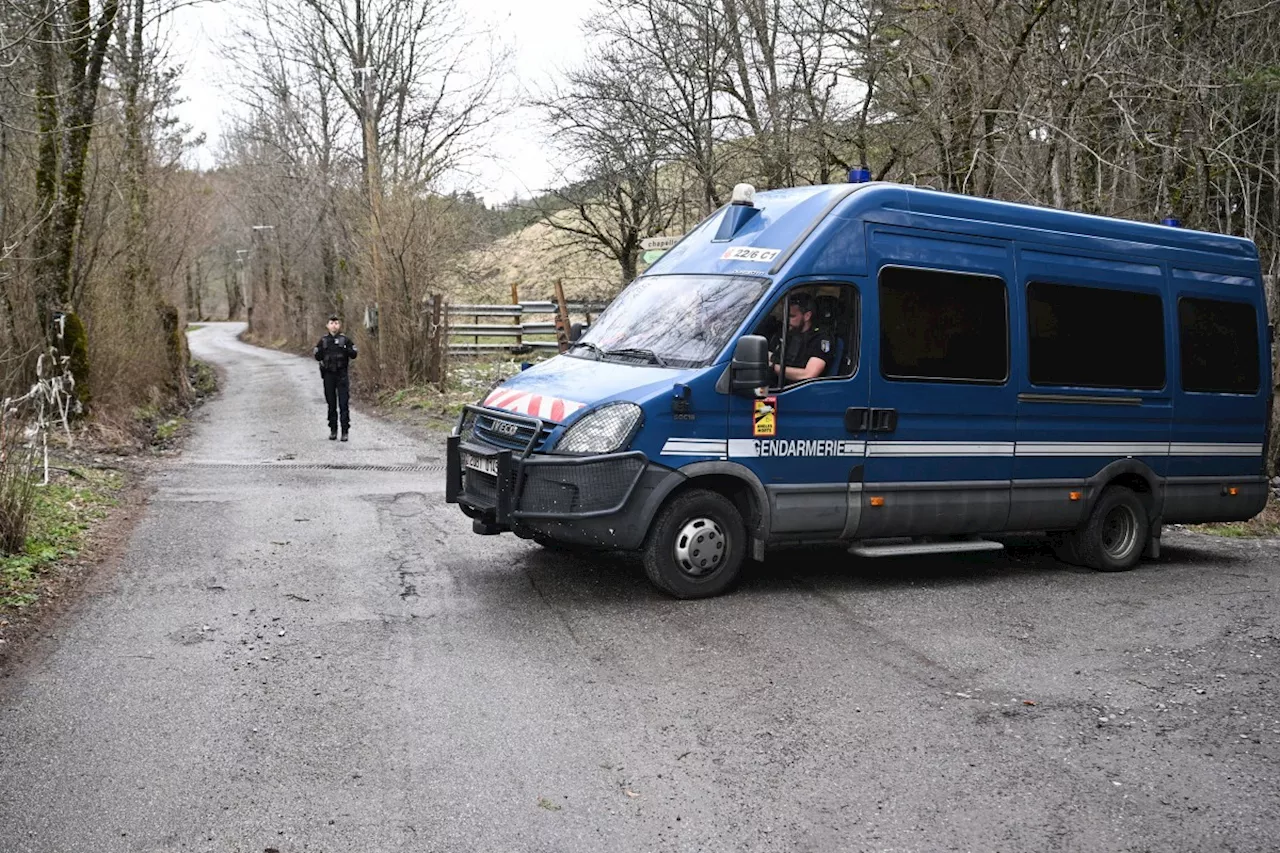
x=808, y=349
x=334, y=352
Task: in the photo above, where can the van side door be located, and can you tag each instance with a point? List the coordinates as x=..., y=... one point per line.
x=1220, y=398
x=797, y=438
x=1094, y=386
x=938, y=342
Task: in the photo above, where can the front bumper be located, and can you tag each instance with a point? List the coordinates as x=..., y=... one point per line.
x=587, y=500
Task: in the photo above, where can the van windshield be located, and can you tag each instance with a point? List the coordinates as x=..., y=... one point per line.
x=671, y=320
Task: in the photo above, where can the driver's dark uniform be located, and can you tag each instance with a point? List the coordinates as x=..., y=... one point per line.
x=802, y=346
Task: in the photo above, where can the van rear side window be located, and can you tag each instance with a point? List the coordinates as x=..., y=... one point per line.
x=1093, y=337
x=943, y=326
x=1219, y=344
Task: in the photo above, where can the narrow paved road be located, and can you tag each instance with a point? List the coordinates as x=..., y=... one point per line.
x=305, y=649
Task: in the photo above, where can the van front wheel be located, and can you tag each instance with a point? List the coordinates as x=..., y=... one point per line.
x=1114, y=537
x=696, y=545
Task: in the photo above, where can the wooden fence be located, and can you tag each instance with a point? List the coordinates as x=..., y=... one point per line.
x=521, y=328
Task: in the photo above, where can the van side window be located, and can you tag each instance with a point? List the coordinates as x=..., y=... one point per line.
x=1219, y=345
x=1094, y=337
x=951, y=327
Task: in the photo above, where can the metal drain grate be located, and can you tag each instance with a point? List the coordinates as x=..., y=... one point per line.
x=325, y=466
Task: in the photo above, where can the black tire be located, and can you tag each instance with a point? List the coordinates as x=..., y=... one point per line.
x=696, y=546
x=1115, y=536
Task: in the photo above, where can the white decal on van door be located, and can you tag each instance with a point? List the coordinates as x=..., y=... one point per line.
x=750, y=447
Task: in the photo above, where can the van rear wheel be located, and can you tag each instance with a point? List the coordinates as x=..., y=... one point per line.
x=696, y=546
x=1113, y=538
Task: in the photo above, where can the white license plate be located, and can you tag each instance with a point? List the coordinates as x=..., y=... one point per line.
x=483, y=464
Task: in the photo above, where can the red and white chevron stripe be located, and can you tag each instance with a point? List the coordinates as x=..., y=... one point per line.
x=523, y=402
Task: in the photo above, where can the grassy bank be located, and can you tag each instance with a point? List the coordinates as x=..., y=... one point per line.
x=64, y=515
x=469, y=380
x=67, y=514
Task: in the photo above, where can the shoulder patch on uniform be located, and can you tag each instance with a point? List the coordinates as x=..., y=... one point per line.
x=826, y=345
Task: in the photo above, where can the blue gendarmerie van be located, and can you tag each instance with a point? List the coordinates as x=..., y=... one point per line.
x=899, y=369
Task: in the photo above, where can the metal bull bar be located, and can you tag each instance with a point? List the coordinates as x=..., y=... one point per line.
x=466, y=442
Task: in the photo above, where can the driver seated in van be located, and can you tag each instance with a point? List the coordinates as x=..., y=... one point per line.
x=808, y=348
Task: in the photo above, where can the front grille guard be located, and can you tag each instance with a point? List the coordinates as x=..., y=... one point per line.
x=506, y=484
x=524, y=471
x=503, y=492
x=513, y=469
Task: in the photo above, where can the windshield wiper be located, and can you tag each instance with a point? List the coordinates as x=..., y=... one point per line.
x=653, y=357
x=599, y=352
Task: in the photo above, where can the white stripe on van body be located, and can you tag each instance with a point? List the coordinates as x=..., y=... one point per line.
x=1181, y=448
x=747, y=447
x=1141, y=448
x=1092, y=448
x=695, y=447
x=940, y=448
x=1061, y=449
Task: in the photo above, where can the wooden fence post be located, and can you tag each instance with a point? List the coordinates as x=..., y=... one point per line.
x=440, y=341
x=562, y=318
x=519, y=318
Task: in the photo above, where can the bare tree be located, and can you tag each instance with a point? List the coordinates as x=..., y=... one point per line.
x=357, y=110
x=600, y=124
x=682, y=46
x=92, y=231
x=781, y=83
x=71, y=47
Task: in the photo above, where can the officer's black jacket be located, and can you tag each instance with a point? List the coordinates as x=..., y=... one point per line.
x=334, y=352
x=801, y=346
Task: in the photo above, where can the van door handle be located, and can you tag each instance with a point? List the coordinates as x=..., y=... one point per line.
x=884, y=420
x=857, y=419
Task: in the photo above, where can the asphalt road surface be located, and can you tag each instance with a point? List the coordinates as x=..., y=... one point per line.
x=306, y=649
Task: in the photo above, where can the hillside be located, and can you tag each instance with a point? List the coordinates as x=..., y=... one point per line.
x=532, y=258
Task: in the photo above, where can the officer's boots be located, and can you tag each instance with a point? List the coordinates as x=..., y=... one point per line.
x=333, y=433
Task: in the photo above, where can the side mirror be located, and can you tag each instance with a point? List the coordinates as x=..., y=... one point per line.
x=749, y=369
x=576, y=331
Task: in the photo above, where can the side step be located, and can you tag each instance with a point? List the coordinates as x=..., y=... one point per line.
x=862, y=549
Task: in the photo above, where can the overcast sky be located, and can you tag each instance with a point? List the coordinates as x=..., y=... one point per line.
x=545, y=35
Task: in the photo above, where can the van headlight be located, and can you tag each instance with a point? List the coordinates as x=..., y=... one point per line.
x=603, y=430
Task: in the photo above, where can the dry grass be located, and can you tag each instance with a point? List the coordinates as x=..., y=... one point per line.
x=469, y=381
x=17, y=490
x=532, y=260
x=63, y=513
x=128, y=361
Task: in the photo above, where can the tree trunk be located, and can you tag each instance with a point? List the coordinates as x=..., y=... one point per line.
x=46, y=167
x=60, y=180
x=137, y=275
x=87, y=51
